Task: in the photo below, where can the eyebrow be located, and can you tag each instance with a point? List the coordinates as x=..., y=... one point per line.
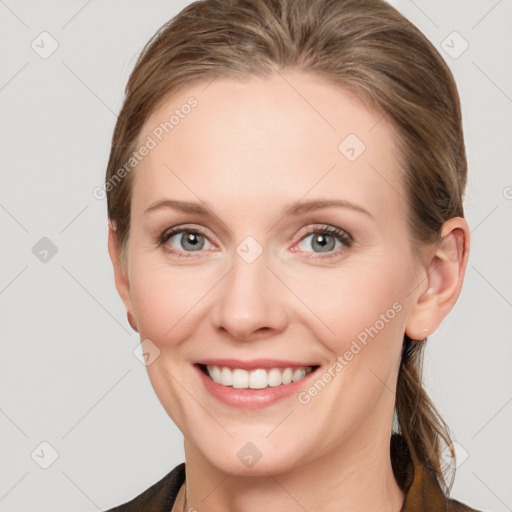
x=299, y=207
x=295, y=208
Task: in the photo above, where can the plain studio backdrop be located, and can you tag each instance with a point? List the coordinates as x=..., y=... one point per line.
x=82, y=429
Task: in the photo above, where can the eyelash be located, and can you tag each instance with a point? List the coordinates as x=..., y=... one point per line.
x=339, y=234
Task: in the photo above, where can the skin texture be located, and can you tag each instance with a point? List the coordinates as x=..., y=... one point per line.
x=246, y=151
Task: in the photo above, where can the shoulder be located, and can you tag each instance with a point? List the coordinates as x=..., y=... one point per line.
x=422, y=491
x=426, y=495
x=159, y=497
x=456, y=506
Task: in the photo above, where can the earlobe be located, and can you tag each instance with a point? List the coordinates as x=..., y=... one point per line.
x=120, y=274
x=443, y=281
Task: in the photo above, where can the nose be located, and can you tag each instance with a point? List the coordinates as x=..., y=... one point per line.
x=251, y=301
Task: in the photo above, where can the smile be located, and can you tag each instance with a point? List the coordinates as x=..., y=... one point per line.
x=256, y=383
x=259, y=378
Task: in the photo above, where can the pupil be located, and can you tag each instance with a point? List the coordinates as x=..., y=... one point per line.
x=323, y=243
x=192, y=240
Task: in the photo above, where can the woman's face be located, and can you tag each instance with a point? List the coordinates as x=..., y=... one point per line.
x=290, y=250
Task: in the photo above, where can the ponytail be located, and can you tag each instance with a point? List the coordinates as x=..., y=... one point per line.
x=419, y=422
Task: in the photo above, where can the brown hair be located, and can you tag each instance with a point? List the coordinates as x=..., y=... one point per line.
x=365, y=46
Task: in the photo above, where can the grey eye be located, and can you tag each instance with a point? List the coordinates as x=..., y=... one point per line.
x=189, y=241
x=319, y=242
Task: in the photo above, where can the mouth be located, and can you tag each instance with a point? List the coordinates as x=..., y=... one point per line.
x=254, y=384
x=257, y=378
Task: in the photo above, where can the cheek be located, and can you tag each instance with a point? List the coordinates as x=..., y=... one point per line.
x=354, y=302
x=361, y=312
x=166, y=300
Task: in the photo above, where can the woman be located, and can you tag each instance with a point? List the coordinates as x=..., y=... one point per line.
x=285, y=191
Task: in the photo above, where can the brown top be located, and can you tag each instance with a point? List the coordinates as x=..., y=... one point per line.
x=420, y=486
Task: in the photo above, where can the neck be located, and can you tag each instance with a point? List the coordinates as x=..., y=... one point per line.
x=356, y=476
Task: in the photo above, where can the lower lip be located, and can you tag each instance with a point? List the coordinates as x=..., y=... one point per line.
x=251, y=398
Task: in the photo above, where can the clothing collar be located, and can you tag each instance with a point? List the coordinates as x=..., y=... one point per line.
x=418, y=482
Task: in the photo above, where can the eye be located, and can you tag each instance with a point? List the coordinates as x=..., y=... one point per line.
x=179, y=240
x=324, y=242
x=328, y=240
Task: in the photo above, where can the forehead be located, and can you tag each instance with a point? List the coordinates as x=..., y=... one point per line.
x=277, y=139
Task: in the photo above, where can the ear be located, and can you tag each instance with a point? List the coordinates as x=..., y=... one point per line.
x=120, y=274
x=445, y=269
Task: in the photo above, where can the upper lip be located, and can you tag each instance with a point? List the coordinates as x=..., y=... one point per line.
x=255, y=364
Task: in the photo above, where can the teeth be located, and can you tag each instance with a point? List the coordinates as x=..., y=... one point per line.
x=274, y=377
x=226, y=377
x=215, y=374
x=240, y=379
x=287, y=376
x=298, y=374
x=256, y=379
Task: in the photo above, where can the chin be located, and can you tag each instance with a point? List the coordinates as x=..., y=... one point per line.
x=253, y=458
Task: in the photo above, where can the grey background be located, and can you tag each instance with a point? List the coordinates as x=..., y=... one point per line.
x=69, y=375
